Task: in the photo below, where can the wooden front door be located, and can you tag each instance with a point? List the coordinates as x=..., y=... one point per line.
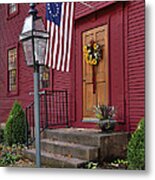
x=99, y=95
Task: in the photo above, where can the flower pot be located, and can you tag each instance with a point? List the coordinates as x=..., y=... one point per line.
x=107, y=125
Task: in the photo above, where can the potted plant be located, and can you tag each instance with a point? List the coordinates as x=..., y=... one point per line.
x=106, y=115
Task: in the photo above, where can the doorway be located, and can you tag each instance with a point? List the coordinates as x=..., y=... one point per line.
x=95, y=78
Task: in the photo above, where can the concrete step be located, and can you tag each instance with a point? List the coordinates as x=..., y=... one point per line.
x=71, y=135
x=80, y=151
x=111, y=145
x=73, y=147
x=55, y=160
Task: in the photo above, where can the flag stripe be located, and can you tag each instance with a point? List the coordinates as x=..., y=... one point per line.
x=70, y=36
x=61, y=38
x=47, y=46
x=55, y=46
x=51, y=44
x=65, y=36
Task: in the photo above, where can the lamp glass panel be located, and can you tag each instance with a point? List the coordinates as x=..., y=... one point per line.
x=27, y=46
x=40, y=50
x=39, y=25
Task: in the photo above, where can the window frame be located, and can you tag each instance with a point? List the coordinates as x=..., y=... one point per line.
x=47, y=88
x=15, y=13
x=12, y=93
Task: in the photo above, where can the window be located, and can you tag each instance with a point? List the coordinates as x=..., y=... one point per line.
x=44, y=77
x=12, y=8
x=12, y=70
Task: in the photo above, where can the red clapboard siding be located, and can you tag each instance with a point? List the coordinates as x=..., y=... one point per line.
x=10, y=30
x=136, y=62
x=83, y=10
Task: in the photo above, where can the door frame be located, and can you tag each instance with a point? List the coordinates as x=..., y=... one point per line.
x=81, y=26
x=93, y=20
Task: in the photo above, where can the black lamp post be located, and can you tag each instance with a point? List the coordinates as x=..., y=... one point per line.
x=34, y=39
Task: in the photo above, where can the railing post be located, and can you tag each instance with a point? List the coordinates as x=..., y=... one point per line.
x=67, y=121
x=26, y=131
x=46, y=109
x=32, y=121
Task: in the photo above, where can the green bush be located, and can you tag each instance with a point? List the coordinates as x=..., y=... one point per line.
x=1, y=135
x=136, y=148
x=15, y=130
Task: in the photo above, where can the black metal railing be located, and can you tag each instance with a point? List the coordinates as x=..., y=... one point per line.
x=54, y=108
x=53, y=112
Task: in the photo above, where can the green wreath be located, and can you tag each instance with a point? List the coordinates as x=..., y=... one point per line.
x=92, y=53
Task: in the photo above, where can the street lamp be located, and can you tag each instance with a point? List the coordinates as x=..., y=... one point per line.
x=34, y=39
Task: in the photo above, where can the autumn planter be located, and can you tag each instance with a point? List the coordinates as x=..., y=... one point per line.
x=106, y=115
x=107, y=125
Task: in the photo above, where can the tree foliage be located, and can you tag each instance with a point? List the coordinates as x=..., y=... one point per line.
x=15, y=130
x=136, y=148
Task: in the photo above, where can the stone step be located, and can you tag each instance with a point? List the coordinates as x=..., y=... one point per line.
x=80, y=151
x=75, y=143
x=111, y=145
x=71, y=135
x=55, y=160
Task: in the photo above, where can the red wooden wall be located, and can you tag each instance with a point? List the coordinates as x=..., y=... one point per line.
x=127, y=56
x=136, y=62
x=126, y=51
x=10, y=29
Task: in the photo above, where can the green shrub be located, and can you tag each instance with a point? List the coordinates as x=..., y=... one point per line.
x=15, y=130
x=1, y=135
x=136, y=148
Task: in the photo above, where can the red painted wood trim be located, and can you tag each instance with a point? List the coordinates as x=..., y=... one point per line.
x=109, y=63
x=73, y=70
x=86, y=11
x=126, y=68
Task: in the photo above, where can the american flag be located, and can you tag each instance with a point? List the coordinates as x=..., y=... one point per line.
x=59, y=17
